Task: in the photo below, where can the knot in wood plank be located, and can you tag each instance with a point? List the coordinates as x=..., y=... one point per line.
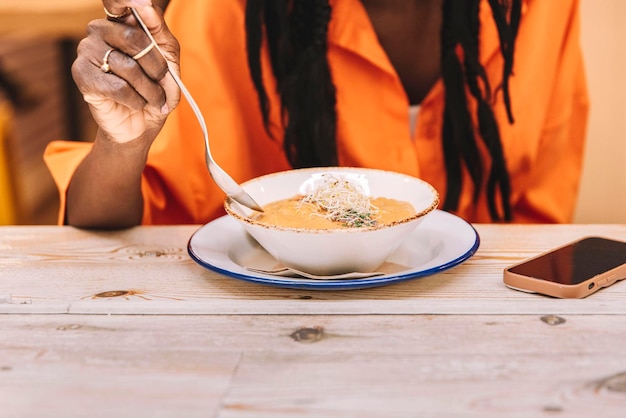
x=68, y=327
x=553, y=320
x=112, y=294
x=155, y=253
x=615, y=383
x=553, y=408
x=308, y=335
x=151, y=253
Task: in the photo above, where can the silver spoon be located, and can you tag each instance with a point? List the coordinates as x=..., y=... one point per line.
x=221, y=178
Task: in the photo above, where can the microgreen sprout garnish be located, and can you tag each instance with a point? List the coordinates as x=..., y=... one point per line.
x=343, y=201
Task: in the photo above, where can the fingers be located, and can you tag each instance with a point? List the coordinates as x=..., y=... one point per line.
x=119, y=11
x=125, y=82
x=135, y=67
x=122, y=73
x=132, y=41
x=129, y=37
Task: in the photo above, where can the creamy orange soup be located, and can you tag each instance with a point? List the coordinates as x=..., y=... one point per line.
x=295, y=213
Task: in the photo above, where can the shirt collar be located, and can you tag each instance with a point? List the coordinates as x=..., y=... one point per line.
x=351, y=29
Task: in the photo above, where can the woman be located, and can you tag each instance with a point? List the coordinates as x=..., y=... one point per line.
x=484, y=99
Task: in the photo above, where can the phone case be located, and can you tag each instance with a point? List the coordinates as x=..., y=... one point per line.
x=527, y=283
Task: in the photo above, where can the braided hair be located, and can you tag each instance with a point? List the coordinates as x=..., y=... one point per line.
x=296, y=33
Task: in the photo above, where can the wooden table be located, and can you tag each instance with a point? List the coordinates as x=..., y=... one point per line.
x=112, y=324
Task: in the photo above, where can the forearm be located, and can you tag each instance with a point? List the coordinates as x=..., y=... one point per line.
x=105, y=191
x=126, y=81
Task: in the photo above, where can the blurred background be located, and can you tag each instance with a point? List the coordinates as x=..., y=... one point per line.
x=39, y=103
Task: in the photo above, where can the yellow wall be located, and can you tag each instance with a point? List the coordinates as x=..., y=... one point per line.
x=603, y=189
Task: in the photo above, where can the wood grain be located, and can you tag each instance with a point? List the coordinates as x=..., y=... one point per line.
x=147, y=271
x=124, y=323
x=348, y=366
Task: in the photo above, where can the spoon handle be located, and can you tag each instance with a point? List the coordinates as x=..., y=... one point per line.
x=221, y=177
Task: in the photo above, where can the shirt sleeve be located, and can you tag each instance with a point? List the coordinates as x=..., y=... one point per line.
x=551, y=190
x=62, y=158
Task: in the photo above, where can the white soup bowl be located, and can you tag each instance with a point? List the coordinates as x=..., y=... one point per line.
x=334, y=251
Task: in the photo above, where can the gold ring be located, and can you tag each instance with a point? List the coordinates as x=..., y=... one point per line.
x=105, y=67
x=120, y=16
x=144, y=51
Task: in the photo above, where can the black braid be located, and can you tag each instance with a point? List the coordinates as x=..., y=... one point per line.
x=507, y=33
x=460, y=28
x=457, y=134
x=297, y=38
x=298, y=42
x=254, y=35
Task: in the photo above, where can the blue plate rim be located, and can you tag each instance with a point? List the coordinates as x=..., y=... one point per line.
x=345, y=284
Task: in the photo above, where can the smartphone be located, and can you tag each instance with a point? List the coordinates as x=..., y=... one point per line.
x=574, y=270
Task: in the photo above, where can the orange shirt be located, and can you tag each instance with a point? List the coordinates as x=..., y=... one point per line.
x=543, y=148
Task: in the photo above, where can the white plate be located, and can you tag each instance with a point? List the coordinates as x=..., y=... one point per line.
x=440, y=242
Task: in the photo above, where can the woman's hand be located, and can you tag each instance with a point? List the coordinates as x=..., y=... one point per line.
x=130, y=92
x=122, y=77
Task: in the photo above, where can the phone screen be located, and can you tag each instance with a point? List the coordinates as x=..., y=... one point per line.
x=576, y=262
